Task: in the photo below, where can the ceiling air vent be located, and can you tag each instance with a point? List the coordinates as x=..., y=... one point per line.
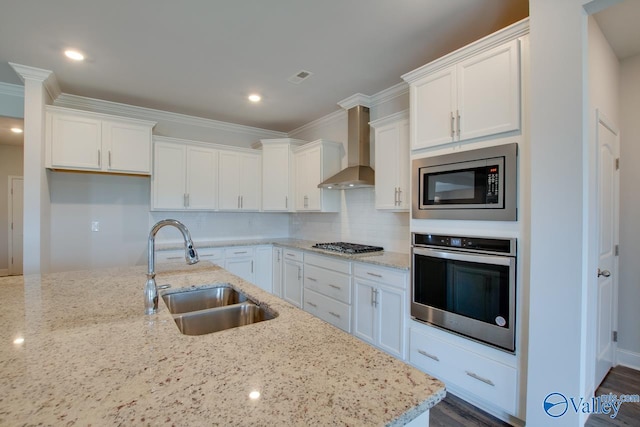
x=300, y=76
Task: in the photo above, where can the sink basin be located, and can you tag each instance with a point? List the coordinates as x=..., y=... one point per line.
x=202, y=298
x=221, y=318
x=212, y=308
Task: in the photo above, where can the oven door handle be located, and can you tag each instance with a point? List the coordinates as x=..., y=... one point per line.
x=461, y=256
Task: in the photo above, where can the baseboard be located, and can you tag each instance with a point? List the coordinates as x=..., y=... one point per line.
x=628, y=358
x=4, y=272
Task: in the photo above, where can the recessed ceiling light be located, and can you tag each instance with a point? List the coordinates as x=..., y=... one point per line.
x=16, y=130
x=74, y=54
x=254, y=97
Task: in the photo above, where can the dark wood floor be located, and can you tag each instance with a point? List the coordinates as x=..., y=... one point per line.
x=620, y=380
x=455, y=412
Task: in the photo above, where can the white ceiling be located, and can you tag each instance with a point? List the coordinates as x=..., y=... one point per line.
x=203, y=57
x=620, y=25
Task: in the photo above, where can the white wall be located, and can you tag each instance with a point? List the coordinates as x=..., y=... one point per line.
x=11, y=100
x=558, y=263
x=629, y=283
x=10, y=164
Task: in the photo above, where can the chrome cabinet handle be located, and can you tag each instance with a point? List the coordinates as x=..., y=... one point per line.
x=430, y=356
x=206, y=255
x=374, y=274
x=334, y=286
x=286, y=202
x=109, y=155
x=334, y=314
x=240, y=252
x=605, y=273
x=312, y=279
x=99, y=158
x=312, y=304
x=174, y=257
x=241, y=202
x=479, y=378
x=299, y=273
x=458, y=113
x=453, y=119
x=399, y=196
x=375, y=297
x=395, y=196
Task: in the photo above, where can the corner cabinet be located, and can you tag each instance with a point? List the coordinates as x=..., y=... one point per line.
x=392, y=162
x=239, y=178
x=92, y=142
x=471, y=93
x=277, y=174
x=313, y=163
x=185, y=175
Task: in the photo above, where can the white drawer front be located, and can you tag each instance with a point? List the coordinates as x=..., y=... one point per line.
x=292, y=255
x=333, y=284
x=239, y=252
x=328, y=309
x=328, y=263
x=488, y=379
x=211, y=254
x=388, y=276
x=214, y=255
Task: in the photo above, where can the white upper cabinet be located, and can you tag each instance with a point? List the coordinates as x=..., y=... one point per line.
x=471, y=93
x=80, y=140
x=239, y=177
x=314, y=162
x=277, y=174
x=185, y=176
x=392, y=162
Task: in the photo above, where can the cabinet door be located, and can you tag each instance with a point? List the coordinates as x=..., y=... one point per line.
x=127, y=147
x=168, y=181
x=277, y=272
x=292, y=282
x=313, y=171
x=242, y=267
x=300, y=162
x=433, y=109
x=249, y=179
x=263, y=276
x=75, y=142
x=364, y=316
x=390, y=320
x=275, y=178
x=202, y=178
x=229, y=186
x=392, y=171
x=489, y=92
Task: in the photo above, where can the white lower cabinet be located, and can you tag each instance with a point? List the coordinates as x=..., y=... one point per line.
x=263, y=276
x=327, y=289
x=292, y=276
x=380, y=299
x=489, y=380
x=240, y=261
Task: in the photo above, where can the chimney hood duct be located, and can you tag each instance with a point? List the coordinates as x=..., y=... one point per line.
x=358, y=173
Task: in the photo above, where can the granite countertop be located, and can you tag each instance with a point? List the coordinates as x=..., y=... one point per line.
x=385, y=258
x=91, y=357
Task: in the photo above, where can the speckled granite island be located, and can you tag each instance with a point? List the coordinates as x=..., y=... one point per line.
x=91, y=357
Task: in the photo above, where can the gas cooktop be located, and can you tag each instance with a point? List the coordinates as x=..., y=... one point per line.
x=347, y=248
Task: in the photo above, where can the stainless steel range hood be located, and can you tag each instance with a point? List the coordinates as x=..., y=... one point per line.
x=358, y=173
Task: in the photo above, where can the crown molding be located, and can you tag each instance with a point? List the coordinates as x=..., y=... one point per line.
x=392, y=118
x=388, y=94
x=11, y=89
x=356, y=99
x=331, y=117
x=109, y=107
x=47, y=78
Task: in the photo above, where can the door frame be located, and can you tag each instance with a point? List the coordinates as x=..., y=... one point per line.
x=10, y=180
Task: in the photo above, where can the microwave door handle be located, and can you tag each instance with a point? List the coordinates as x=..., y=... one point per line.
x=457, y=256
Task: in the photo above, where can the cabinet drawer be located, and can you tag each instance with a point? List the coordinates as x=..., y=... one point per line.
x=488, y=379
x=328, y=263
x=388, y=276
x=328, y=309
x=330, y=283
x=292, y=255
x=238, y=252
x=214, y=255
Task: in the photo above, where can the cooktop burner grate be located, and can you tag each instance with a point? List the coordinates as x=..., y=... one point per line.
x=348, y=248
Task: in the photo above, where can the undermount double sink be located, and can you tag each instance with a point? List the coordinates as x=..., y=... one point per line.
x=211, y=308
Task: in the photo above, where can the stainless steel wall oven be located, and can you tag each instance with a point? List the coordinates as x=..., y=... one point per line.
x=466, y=285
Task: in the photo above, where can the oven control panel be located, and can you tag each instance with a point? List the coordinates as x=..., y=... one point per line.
x=475, y=244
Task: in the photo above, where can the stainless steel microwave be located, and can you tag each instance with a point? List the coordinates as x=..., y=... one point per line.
x=470, y=185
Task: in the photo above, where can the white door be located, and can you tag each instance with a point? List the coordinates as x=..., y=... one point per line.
x=608, y=186
x=16, y=199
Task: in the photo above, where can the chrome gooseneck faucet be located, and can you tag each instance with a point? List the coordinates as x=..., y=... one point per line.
x=190, y=255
